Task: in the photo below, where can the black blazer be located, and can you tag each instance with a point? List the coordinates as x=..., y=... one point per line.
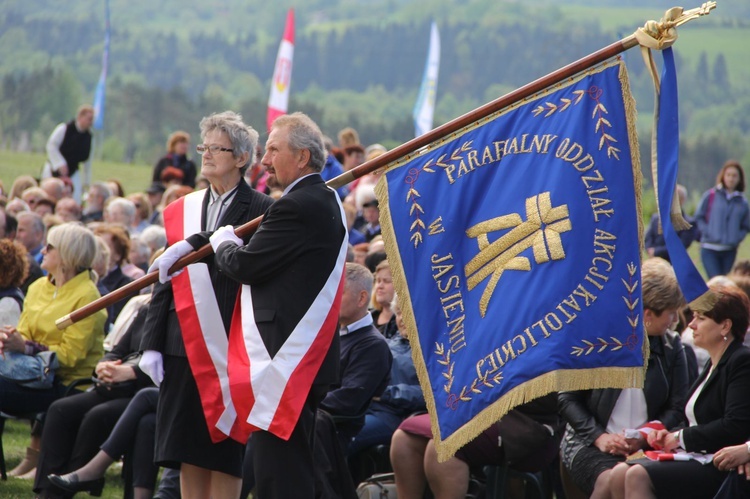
x=287, y=262
x=162, y=327
x=722, y=409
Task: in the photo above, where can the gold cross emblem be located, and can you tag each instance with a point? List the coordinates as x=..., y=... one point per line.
x=541, y=231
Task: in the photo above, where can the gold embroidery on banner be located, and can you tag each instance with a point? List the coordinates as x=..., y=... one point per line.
x=631, y=302
x=599, y=111
x=541, y=232
x=490, y=379
x=415, y=210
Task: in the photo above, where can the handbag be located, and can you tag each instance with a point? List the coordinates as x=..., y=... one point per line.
x=380, y=486
x=30, y=371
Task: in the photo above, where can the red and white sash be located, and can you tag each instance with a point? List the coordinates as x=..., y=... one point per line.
x=203, y=330
x=269, y=393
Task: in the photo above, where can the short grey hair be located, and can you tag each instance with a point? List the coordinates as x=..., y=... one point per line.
x=141, y=247
x=358, y=278
x=75, y=244
x=37, y=221
x=101, y=189
x=126, y=205
x=303, y=133
x=243, y=137
x=155, y=236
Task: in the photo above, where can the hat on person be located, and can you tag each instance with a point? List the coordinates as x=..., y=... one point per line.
x=156, y=188
x=349, y=141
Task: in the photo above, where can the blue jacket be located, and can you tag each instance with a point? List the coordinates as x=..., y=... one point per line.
x=728, y=220
x=333, y=169
x=404, y=395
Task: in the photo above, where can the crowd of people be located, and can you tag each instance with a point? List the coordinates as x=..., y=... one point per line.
x=150, y=379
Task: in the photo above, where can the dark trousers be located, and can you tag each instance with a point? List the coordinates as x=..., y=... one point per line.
x=74, y=428
x=134, y=434
x=718, y=262
x=286, y=468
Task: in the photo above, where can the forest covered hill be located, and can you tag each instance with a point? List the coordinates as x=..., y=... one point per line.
x=357, y=62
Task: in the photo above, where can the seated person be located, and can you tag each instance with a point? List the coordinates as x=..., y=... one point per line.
x=69, y=285
x=735, y=459
x=594, y=440
x=382, y=296
x=77, y=425
x=402, y=397
x=415, y=463
x=133, y=434
x=119, y=245
x=717, y=410
x=365, y=357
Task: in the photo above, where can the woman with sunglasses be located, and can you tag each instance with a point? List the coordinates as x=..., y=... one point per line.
x=69, y=285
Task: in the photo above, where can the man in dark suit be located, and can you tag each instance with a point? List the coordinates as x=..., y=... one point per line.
x=294, y=266
x=185, y=436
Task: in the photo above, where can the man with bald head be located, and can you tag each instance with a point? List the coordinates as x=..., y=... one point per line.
x=68, y=210
x=54, y=187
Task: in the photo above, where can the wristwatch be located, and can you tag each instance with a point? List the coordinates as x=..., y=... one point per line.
x=676, y=436
x=748, y=446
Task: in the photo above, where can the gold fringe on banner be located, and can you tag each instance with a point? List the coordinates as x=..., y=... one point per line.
x=561, y=380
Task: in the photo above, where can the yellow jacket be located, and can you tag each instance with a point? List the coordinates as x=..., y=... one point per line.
x=79, y=346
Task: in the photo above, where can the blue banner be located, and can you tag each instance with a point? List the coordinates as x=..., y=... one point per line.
x=515, y=245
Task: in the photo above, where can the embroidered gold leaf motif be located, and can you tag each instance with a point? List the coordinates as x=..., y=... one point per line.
x=541, y=232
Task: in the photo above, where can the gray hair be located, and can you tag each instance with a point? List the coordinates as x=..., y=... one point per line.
x=243, y=137
x=358, y=278
x=126, y=205
x=37, y=221
x=101, y=189
x=141, y=247
x=303, y=133
x=75, y=244
x=155, y=236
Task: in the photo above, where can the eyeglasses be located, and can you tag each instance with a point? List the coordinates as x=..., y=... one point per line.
x=213, y=149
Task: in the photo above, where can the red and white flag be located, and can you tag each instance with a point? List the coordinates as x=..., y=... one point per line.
x=278, y=102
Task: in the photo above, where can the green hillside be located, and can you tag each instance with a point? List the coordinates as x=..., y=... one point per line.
x=356, y=63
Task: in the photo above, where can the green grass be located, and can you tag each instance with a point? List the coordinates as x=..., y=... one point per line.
x=133, y=177
x=15, y=441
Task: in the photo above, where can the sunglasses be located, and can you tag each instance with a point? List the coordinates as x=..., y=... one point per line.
x=49, y=247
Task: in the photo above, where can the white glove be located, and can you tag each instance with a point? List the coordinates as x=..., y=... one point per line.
x=168, y=258
x=152, y=364
x=224, y=234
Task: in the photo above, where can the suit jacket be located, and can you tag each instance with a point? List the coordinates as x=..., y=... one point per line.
x=287, y=262
x=163, y=332
x=722, y=409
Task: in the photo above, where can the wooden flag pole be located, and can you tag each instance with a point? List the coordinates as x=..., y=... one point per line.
x=405, y=150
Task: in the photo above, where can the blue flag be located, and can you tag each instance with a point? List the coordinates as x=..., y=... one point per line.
x=101, y=86
x=515, y=247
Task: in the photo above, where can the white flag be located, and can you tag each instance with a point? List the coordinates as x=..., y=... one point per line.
x=425, y=107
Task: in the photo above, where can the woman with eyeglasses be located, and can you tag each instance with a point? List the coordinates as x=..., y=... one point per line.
x=69, y=285
x=188, y=321
x=176, y=167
